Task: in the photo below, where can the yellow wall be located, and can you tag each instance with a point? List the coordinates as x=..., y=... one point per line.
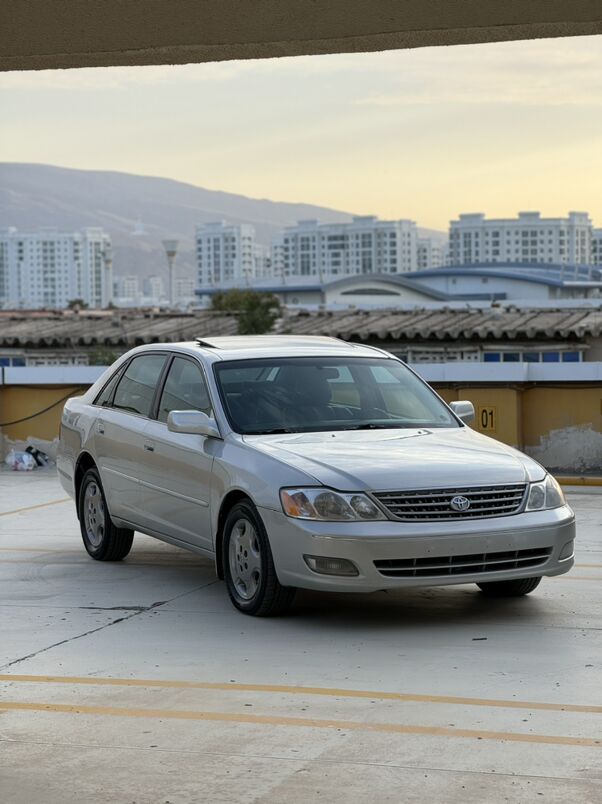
x=548, y=409
x=18, y=401
x=499, y=408
x=522, y=417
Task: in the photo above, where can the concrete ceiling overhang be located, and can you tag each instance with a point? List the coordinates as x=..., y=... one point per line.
x=38, y=34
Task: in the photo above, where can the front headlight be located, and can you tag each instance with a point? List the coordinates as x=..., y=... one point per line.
x=544, y=495
x=328, y=505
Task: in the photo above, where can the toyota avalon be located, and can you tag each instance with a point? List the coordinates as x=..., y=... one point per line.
x=305, y=462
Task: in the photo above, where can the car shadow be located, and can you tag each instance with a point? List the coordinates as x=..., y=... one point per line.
x=419, y=608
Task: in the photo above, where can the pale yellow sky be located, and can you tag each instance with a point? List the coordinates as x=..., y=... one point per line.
x=424, y=134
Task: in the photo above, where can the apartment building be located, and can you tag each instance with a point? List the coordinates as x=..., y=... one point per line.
x=226, y=253
x=127, y=287
x=364, y=246
x=597, y=247
x=154, y=287
x=431, y=252
x=184, y=288
x=48, y=268
x=529, y=238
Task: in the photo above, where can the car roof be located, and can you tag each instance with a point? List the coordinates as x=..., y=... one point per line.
x=247, y=347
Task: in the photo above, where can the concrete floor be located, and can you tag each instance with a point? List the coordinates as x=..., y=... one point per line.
x=138, y=682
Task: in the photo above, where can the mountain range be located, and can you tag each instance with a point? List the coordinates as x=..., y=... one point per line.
x=139, y=211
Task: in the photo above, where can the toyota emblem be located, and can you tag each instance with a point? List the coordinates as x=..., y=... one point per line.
x=460, y=503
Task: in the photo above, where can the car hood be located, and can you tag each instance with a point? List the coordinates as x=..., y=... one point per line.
x=399, y=459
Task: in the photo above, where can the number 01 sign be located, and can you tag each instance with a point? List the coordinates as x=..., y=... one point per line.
x=487, y=418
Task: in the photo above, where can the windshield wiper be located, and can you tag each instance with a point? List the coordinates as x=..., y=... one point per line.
x=275, y=431
x=374, y=426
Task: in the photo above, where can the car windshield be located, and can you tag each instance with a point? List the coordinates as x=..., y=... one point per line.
x=309, y=394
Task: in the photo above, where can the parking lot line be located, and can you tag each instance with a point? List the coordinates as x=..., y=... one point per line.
x=33, y=507
x=308, y=723
x=298, y=690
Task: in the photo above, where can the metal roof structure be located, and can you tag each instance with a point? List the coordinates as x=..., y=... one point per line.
x=561, y=276
x=312, y=284
x=543, y=274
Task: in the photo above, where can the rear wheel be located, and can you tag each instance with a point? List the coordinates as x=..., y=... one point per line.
x=249, y=569
x=102, y=540
x=514, y=588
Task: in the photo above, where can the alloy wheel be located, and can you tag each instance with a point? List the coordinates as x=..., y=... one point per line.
x=94, y=514
x=245, y=559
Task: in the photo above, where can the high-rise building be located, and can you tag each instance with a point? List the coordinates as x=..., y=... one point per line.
x=49, y=268
x=527, y=239
x=226, y=253
x=597, y=247
x=127, y=287
x=154, y=287
x=184, y=288
x=263, y=261
x=277, y=258
x=430, y=252
x=364, y=246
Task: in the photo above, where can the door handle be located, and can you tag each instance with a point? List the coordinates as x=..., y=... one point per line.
x=149, y=447
x=100, y=428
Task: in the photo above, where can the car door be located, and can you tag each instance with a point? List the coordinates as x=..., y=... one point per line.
x=175, y=489
x=119, y=433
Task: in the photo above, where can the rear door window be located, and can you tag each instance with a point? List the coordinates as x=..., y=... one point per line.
x=185, y=389
x=136, y=388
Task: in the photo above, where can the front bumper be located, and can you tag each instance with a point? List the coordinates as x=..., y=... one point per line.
x=367, y=542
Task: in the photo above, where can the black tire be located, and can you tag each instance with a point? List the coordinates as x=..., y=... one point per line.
x=102, y=540
x=515, y=588
x=264, y=596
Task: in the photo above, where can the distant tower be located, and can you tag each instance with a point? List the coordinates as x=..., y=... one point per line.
x=171, y=247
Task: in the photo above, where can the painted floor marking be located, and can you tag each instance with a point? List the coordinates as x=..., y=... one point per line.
x=297, y=690
x=307, y=723
x=33, y=507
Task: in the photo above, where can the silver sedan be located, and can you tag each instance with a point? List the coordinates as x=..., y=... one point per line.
x=305, y=463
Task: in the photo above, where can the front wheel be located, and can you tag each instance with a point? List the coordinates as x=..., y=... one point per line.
x=249, y=570
x=102, y=540
x=515, y=588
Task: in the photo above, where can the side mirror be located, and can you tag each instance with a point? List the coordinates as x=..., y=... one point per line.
x=464, y=410
x=192, y=422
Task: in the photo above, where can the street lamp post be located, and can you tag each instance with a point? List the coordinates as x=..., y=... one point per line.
x=171, y=247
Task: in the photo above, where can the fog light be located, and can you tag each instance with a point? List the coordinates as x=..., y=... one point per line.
x=567, y=551
x=331, y=566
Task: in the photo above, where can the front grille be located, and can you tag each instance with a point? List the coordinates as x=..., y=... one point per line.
x=435, y=504
x=440, y=566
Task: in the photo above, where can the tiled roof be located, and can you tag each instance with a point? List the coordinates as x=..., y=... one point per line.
x=446, y=324
x=126, y=330
x=120, y=330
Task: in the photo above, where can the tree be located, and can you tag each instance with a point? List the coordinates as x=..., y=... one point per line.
x=102, y=356
x=77, y=304
x=256, y=311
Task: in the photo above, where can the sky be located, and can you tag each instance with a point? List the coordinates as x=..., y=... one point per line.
x=422, y=134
